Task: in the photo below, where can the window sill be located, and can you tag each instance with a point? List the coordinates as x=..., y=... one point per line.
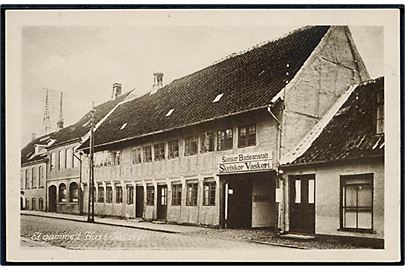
x=246, y=146
x=171, y=158
x=61, y=203
x=73, y=202
x=369, y=231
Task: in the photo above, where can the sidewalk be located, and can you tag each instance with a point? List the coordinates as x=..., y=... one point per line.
x=131, y=223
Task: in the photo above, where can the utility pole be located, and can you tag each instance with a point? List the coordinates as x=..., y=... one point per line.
x=90, y=215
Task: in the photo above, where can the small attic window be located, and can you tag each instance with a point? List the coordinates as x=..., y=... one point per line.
x=218, y=97
x=124, y=125
x=44, y=139
x=86, y=124
x=169, y=112
x=380, y=112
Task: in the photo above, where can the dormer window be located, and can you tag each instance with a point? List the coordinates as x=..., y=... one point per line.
x=218, y=97
x=380, y=112
x=123, y=126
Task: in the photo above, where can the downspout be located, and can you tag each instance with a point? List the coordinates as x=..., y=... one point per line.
x=281, y=215
x=80, y=183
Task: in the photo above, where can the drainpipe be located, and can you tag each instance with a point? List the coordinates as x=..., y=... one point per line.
x=281, y=215
x=80, y=182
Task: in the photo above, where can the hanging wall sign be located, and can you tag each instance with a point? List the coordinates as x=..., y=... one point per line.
x=247, y=162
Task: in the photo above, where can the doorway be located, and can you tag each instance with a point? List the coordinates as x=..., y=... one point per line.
x=139, y=201
x=161, y=202
x=239, y=208
x=302, y=203
x=52, y=199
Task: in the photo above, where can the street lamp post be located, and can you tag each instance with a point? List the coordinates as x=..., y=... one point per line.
x=90, y=216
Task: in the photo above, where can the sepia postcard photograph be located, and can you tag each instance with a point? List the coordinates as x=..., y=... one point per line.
x=202, y=135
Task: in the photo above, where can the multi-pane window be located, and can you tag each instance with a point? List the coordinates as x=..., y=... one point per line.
x=176, y=194
x=209, y=192
x=130, y=195
x=118, y=194
x=61, y=159
x=34, y=205
x=173, y=147
x=27, y=203
x=100, y=195
x=33, y=177
x=192, y=191
x=73, y=192
x=40, y=175
x=136, y=155
x=69, y=158
x=27, y=178
x=62, y=193
x=147, y=153
x=41, y=204
x=159, y=151
x=116, y=158
x=109, y=194
x=191, y=146
x=207, y=142
x=380, y=112
x=150, y=195
x=247, y=136
x=225, y=139
x=357, y=202
x=52, y=161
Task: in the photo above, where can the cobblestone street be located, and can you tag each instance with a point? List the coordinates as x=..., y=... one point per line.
x=81, y=235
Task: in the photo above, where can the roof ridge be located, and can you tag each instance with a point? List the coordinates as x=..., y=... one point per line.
x=307, y=141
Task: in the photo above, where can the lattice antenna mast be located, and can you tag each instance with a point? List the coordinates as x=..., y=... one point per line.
x=46, y=120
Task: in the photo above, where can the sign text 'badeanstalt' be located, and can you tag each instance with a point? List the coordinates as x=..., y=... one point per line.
x=245, y=162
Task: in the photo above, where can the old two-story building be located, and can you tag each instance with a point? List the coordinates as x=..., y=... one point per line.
x=33, y=175
x=335, y=176
x=205, y=148
x=53, y=160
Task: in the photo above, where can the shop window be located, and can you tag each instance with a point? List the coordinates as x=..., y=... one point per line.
x=356, y=202
x=225, y=139
x=176, y=194
x=247, y=136
x=26, y=178
x=109, y=195
x=147, y=153
x=73, y=192
x=33, y=177
x=136, y=155
x=34, y=204
x=192, y=192
x=150, y=195
x=130, y=195
x=191, y=146
x=209, y=192
x=173, y=147
x=62, y=193
x=159, y=151
x=207, y=142
x=41, y=204
x=100, y=195
x=118, y=194
x=380, y=112
x=52, y=161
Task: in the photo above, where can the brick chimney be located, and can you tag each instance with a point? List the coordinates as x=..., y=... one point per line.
x=117, y=89
x=157, y=82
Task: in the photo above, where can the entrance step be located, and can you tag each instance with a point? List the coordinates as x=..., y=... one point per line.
x=159, y=222
x=298, y=236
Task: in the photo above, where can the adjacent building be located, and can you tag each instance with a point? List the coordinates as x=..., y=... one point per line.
x=335, y=176
x=205, y=149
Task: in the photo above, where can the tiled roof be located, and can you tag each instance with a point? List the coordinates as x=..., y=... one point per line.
x=247, y=81
x=351, y=133
x=74, y=131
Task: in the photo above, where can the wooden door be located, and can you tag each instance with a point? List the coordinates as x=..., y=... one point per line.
x=139, y=201
x=162, y=202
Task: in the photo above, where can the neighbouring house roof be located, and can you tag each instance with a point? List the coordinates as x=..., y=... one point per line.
x=246, y=81
x=69, y=133
x=349, y=134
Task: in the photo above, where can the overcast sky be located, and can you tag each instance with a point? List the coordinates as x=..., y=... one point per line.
x=84, y=61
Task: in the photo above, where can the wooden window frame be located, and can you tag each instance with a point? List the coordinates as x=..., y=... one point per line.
x=248, y=139
x=130, y=195
x=192, y=194
x=150, y=195
x=207, y=142
x=209, y=192
x=176, y=194
x=224, y=141
x=137, y=155
x=158, y=153
x=100, y=194
x=147, y=158
x=188, y=146
x=173, y=149
x=108, y=194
